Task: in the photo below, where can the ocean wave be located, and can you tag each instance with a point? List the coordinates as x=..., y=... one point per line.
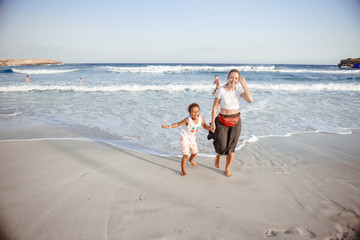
x=332, y=71
x=8, y=70
x=125, y=88
x=351, y=87
x=166, y=69
x=253, y=138
x=169, y=69
x=42, y=71
x=9, y=114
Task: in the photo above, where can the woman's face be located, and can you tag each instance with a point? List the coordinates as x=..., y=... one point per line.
x=195, y=113
x=233, y=78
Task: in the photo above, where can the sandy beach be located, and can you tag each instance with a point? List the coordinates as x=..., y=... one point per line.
x=28, y=61
x=305, y=186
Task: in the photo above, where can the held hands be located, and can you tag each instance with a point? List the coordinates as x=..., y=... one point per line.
x=165, y=126
x=212, y=127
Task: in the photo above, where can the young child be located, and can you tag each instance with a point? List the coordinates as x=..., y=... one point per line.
x=217, y=81
x=191, y=125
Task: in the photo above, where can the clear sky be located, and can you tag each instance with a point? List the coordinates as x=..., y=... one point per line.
x=186, y=31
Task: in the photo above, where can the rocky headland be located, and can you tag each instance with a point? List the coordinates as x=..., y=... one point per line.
x=349, y=62
x=28, y=61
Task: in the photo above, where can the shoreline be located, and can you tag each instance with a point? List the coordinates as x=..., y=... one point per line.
x=304, y=186
x=140, y=149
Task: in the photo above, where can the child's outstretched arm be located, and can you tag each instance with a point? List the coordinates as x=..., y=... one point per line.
x=178, y=124
x=206, y=127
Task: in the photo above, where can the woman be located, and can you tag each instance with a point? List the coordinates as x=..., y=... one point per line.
x=226, y=127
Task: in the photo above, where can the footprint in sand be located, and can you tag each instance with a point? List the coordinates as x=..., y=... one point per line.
x=294, y=231
x=142, y=197
x=274, y=232
x=306, y=233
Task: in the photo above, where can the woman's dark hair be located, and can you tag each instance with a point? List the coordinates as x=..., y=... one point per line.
x=231, y=71
x=193, y=105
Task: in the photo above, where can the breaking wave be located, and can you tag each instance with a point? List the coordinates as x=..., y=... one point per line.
x=169, y=69
x=42, y=71
x=353, y=87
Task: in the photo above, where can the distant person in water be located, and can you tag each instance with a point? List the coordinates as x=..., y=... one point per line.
x=217, y=81
x=27, y=79
x=80, y=79
x=187, y=137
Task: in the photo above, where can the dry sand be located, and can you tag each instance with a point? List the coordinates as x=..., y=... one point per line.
x=305, y=186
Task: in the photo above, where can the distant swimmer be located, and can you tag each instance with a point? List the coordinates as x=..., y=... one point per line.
x=27, y=79
x=217, y=81
x=80, y=79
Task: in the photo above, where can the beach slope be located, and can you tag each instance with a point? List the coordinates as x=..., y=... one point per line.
x=305, y=186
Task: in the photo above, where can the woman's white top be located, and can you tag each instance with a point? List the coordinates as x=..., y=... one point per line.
x=229, y=100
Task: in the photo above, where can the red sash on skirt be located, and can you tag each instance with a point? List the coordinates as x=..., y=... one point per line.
x=229, y=121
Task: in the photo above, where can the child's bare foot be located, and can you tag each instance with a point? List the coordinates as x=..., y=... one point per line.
x=183, y=173
x=228, y=174
x=193, y=163
x=217, y=161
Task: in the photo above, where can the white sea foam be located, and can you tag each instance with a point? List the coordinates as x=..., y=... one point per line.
x=9, y=114
x=337, y=71
x=170, y=69
x=160, y=69
x=43, y=71
x=126, y=88
x=247, y=139
x=163, y=69
x=252, y=139
x=185, y=87
x=307, y=87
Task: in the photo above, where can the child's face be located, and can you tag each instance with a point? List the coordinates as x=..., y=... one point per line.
x=195, y=113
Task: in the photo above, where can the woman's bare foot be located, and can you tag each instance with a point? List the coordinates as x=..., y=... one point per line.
x=228, y=174
x=183, y=173
x=193, y=163
x=217, y=161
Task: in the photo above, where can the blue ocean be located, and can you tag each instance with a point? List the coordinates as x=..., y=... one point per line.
x=126, y=104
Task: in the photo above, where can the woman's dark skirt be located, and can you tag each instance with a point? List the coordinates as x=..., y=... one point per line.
x=225, y=138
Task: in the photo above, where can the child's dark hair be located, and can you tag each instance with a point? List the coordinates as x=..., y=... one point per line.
x=193, y=105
